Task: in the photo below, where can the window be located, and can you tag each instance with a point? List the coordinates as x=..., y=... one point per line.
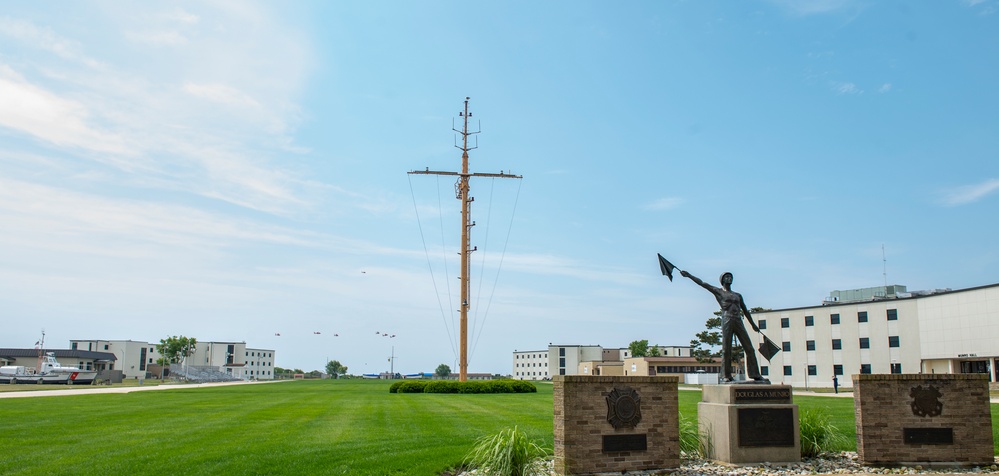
x=809, y=345
x=865, y=368
x=834, y=319
x=561, y=351
x=865, y=343
x=561, y=371
x=896, y=368
x=892, y=341
x=837, y=369
x=862, y=316
x=812, y=370
x=786, y=347
x=561, y=362
x=764, y=370
x=762, y=324
x=785, y=322
x=893, y=314
x=787, y=370
x=809, y=321
x=837, y=344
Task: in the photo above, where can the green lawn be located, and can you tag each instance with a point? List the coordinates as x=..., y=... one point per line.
x=301, y=427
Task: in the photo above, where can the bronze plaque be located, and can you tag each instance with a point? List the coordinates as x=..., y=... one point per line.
x=618, y=443
x=624, y=407
x=762, y=427
x=928, y=436
x=760, y=395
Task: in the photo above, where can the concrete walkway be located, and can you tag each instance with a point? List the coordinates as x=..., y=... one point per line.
x=88, y=390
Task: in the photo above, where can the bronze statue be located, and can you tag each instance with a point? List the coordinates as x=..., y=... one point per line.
x=732, y=310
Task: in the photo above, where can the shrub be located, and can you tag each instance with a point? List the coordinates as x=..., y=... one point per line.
x=818, y=435
x=452, y=386
x=690, y=438
x=414, y=386
x=507, y=453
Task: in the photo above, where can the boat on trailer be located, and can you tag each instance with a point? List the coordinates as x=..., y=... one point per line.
x=50, y=371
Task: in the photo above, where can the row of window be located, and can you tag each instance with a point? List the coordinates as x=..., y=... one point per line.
x=837, y=344
x=262, y=354
x=532, y=365
x=785, y=322
x=534, y=356
x=531, y=374
x=837, y=369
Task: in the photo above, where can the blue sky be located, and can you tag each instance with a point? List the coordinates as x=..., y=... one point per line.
x=233, y=170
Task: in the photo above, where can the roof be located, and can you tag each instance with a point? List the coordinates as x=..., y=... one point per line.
x=68, y=353
x=914, y=295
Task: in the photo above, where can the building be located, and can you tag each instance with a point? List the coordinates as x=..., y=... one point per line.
x=578, y=360
x=883, y=330
x=137, y=359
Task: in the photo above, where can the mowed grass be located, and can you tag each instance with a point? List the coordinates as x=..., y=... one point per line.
x=302, y=427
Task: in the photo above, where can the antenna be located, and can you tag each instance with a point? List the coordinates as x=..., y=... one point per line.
x=462, y=192
x=884, y=264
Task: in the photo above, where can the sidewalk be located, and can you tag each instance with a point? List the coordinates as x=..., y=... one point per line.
x=94, y=390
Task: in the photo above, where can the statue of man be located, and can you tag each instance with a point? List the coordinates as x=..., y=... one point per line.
x=733, y=308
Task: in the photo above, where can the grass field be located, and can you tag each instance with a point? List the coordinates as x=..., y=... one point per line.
x=300, y=427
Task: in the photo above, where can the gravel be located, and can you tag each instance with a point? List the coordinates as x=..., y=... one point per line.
x=836, y=463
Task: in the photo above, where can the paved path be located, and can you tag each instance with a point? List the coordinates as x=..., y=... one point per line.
x=97, y=389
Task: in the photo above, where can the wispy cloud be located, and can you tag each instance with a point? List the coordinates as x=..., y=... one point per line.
x=814, y=7
x=40, y=113
x=158, y=119
x=969, y=193
x=45, y=39
x=845, y=88
x=666, y=203
x=886, y=87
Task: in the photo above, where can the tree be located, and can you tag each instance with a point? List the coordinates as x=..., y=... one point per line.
x=707, y=345
x=443, y=370
x=174, y=349
x=335, y=368
x=639, y=348
x=654, y=351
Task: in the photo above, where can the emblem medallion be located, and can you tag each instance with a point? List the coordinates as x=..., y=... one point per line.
x=926, y=401
x=624, y=408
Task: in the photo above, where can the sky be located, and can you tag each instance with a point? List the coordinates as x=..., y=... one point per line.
x=235, y=170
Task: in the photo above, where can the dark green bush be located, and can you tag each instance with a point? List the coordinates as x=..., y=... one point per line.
x=453, y=386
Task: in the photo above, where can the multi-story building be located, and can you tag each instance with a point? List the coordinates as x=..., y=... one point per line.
x=578, y=360
x=883, y=330
x=137, y=358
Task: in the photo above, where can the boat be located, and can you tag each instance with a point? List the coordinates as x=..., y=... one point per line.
x=50, y=371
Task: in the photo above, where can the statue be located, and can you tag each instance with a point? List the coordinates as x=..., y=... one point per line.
x=733, y=308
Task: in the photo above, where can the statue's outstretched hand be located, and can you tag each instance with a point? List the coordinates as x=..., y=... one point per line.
x=684, y=274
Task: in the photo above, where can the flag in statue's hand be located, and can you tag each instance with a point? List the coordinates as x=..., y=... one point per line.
x=768, y=348
x=666, y=267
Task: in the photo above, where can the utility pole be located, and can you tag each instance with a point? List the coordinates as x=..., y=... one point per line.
x=462, y=190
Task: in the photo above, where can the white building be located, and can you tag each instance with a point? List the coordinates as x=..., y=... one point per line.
x=883, y=330
x=136, y=358
x=566, y=359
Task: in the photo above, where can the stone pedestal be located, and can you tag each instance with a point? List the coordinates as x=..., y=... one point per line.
x=925, y=419
x=749, y=423
x=615, y=424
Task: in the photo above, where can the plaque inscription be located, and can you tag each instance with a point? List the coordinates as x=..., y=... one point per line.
x=618, y=443
x=928, y=436
x=762, y=427
x=749, y=395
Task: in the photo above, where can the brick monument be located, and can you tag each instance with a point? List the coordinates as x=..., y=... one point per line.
x=928, y=419
x=615, y=424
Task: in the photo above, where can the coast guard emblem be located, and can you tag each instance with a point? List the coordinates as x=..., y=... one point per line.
x=926, y=401
x=624, y=408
